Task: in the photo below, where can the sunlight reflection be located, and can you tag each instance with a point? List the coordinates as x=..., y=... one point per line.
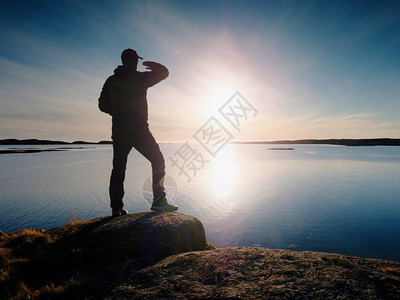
x=224, y=175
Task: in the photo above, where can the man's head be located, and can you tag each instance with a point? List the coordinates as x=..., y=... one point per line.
x=129, y=58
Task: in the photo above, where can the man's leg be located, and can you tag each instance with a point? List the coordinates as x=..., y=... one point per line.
x=148, y=147
x=121, y=150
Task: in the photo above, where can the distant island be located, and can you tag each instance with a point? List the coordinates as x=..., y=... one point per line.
x=47, y=142
x=341, y=142
x=279, y=148
x=15, y=142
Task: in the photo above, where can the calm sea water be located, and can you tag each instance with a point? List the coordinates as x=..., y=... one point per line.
x=320, y=198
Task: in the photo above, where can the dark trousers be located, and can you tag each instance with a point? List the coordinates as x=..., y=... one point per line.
x=130, y=131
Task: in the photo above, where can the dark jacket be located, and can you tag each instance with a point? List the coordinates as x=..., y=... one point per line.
x=126, y=90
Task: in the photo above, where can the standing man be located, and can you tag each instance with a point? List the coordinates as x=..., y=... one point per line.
x=124, y=98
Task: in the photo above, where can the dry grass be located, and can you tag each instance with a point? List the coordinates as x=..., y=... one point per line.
x=70, y=290
x=391, y=270
x=26, y=242
x=30, y=263
x=69, y=229
x=337, y=260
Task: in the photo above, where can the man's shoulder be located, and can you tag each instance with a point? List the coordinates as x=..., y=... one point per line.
x=137, y=79
x=130, y=75
x=111, y=77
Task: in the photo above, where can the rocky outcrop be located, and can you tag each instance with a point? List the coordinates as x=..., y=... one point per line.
x=260, y=273
x=156, y=255
x=147, y=234
x=84, y=260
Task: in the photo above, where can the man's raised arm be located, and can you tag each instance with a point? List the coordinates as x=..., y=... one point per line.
x=158, y=73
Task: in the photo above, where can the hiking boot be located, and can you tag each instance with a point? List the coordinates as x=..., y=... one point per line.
x=163, y=206
x=119, y=212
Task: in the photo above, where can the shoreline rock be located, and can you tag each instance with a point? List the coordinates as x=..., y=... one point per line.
x=260, y=273
x=147, y=234
x=165, y=255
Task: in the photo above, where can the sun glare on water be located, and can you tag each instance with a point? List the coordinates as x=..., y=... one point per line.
x=223, y=176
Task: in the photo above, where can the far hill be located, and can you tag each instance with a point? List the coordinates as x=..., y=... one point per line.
x=342, y=142
x=40, y=142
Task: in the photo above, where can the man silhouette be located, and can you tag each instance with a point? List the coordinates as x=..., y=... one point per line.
x=124, y=98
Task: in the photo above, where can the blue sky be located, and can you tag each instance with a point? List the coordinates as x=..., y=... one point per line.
x=312, y=69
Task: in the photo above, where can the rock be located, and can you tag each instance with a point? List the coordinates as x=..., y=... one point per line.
x=92, y=256
x=148, y=234
x=140, y=256
x=260, y=273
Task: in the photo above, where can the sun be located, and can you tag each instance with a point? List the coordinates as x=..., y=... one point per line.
x=217, y=88
x=218, y=95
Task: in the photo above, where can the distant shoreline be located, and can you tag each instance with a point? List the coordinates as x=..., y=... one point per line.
x=37, y=150
x=340, y=142
x=48, y=142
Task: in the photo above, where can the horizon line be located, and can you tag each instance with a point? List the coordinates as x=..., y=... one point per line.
x=180, y=142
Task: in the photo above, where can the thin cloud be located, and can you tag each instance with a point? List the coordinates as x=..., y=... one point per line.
x=361, y=125
x=54, y=90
